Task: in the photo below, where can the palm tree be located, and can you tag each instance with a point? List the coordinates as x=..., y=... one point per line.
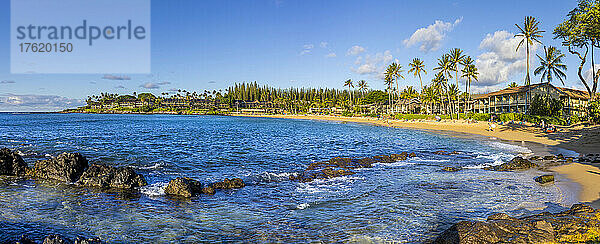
x=416, y=68
x=388, y=80
x=471, y=74
x=445, y=67
x=394, y=70
x=512, y=85
x=409, y=93
x=363, y=86
x=349, y=84
x=429, y=96
x=529, y=33
x=457, y=57
x=551, y=64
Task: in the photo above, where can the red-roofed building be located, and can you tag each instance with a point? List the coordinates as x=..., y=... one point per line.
x=513, y=99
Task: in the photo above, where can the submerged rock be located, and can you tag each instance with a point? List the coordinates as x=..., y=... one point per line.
x=67, y=167
x=183, y=186
x=579, y=224
x=451, y=169
x=104, y=176
x=11, y=163
x=339, y=166
x=543, y=179
x=228, y=184
x=442, y=152
x=517, y=163
x=57, y=239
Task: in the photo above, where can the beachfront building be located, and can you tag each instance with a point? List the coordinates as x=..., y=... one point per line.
x=513, y=99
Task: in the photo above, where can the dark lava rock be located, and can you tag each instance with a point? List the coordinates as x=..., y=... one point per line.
x=451, y=169
x=11, y=163
x=67, y=167
x=105, y=176
x=228, y=184
x=442, y=152
x=543, y=179
x=339, y=166
x=326, y=173
x=24, y=240
x=579, y=224
x=208, y=190
x=517, y=163
x=57, y=239
x=183, y=186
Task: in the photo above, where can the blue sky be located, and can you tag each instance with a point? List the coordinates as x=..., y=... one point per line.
x=205, y=45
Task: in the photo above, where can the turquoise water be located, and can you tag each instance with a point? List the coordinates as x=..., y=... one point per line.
x=408, y=201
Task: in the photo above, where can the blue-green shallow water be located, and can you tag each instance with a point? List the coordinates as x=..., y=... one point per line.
x=408, y=201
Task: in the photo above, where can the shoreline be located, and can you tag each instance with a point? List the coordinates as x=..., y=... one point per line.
x=585, y=176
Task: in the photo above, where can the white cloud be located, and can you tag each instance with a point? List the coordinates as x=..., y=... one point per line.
x=31, y=102
x=355, y=50
x=373, y=64
x=150, y=85
x=116, y=77
x=500, y=61
x=120, y=87
x=588, y=73
x=330, y=55
x=430, y=38
x=324, y=44
x=366, y=69
x=485, y=89
x=7, y=82
x=307, y=49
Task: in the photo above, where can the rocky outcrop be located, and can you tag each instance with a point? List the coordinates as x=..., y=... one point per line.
x=579, y=224
x=228, y=184
x=184, y=187
x=451, y=169
x=593, y=158
x=57, y=239
x=339, y=166
x=71, y=168
x=517, y=163
x=104, y=176
x=544, y=179
x=67, y=167
x=188, y=187
x=442, y=152
x=11, y=163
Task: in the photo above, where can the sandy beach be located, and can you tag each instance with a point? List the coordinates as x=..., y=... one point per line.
x=581, y=139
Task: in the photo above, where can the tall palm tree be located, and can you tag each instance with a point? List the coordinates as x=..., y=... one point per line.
x=416, y=68
x=363, y=86
x=529, y=33
x=389, y=81
x=349, y=84
x=551, y=64
x=471, y=74
x=457, y=57
x=444, y=68
x=395, y=71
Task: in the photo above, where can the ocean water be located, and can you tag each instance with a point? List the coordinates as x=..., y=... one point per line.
x=409, y=201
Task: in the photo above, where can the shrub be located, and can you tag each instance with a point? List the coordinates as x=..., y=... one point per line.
x=347, y=114
x=545, y=106
x=593, y=111
x=510, y=116
x=478, y=116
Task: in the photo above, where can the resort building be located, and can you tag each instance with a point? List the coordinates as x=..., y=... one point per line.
x=513, y=99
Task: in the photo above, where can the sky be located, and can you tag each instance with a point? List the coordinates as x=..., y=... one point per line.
x=206, y=45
